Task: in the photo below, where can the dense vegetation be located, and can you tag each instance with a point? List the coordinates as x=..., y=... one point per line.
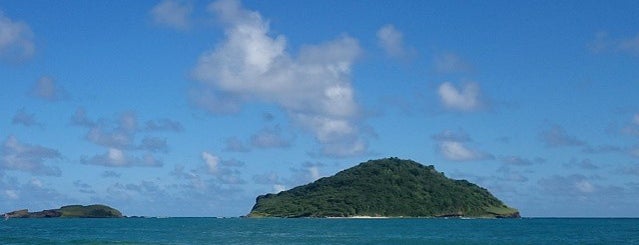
x=90, y=211
x=385, y=187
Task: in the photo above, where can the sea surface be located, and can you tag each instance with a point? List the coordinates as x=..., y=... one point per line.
x=319, y=231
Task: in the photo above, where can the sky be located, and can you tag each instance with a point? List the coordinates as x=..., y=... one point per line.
x=194, y=108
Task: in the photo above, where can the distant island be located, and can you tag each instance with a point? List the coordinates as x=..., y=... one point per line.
x=389, y=187
x=71, y=211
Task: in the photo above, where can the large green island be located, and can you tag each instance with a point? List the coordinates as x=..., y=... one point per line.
x=71, y=211
x=389, y=187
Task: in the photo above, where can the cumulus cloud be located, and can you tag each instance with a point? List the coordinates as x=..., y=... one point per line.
x=47, y=89
x=313, y=88
x=16, y=155
x=25, y=119
x=118, y=158
x=451, y=63
x=225, y=171
x=211, y=161
x=16, y=42
x=569, y=185
x=392, y=41
x=466, y=98
x=118, y=137
x=306, y=173
x=457, y=151
x=556, y=136
x=173, y=14
x=453, y=146
x=34, y=192
x=270, y=179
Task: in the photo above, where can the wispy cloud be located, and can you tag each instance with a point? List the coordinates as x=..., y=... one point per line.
x=270, y=138
x=451, y=63
x=604, y=43
x=174, y=14
x=519, y=161
x=234, y=144
x=25, y=119
x=164, y=124
x=16, y=155
x=313, y=88
x=47, y=89
x=16, y=40
x=392, y=41
x=556, y=136
x=466, y=98
x=585, y=164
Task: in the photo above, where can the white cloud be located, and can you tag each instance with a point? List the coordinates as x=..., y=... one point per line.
x=16, y=155
x=211, y=161
x=119, y=138
x=392, y=41
x=584, y=186
x=278, y=188
x=457, y=151
x=467, y=98
x=251, y=65
x=12, y=194
x=173, y=14
x=452, y=145
x=115, y=157
x=572, y=185
x=47, y=89
x=15, y=40
x=451, y=63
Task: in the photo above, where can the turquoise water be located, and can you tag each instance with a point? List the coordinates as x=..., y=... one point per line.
x=319, y=231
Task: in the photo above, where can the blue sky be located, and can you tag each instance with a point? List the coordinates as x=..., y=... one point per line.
x=193, y=108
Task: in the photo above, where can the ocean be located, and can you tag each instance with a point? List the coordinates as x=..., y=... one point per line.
x=319, y=231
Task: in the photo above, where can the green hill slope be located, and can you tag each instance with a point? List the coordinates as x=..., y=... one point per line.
x=388, y=187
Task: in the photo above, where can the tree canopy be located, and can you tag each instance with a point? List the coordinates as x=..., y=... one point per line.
x=389, y=187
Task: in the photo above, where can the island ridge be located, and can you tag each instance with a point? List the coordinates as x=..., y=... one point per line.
x=389, y=187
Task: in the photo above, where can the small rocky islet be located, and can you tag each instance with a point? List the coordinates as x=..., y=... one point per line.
x=70, y=211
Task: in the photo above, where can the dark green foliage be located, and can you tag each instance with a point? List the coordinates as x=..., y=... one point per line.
x=90, y=211
x=385, y=187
